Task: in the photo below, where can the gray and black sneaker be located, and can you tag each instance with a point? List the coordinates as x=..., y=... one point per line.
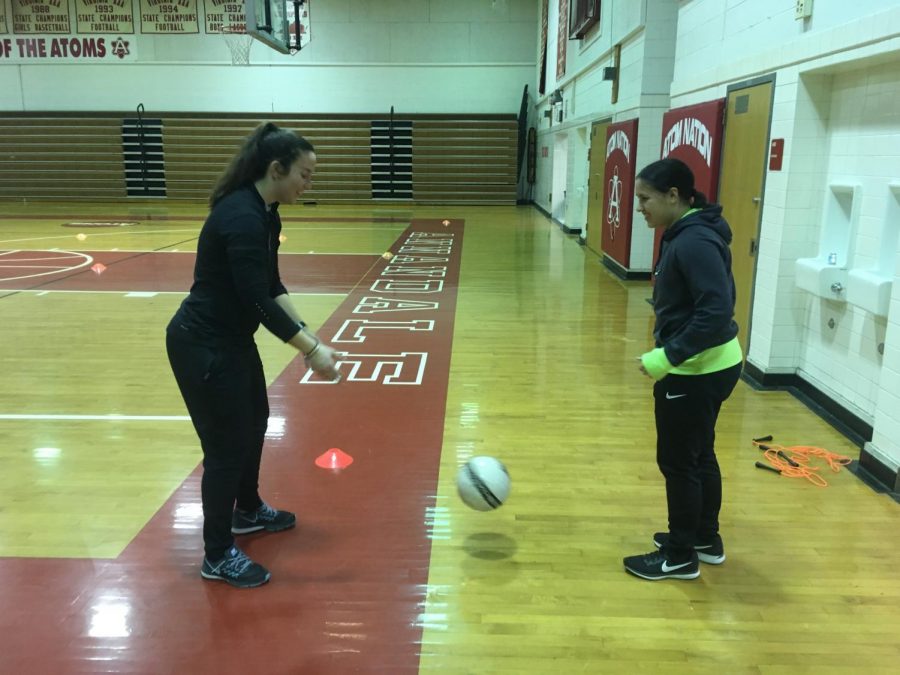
x=236, y=569
x=655, y=566
x=712, y=553
x=264, y=518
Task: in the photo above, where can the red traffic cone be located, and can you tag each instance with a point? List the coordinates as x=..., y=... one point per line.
x=334, y=459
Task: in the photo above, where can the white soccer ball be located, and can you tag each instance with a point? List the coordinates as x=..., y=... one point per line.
x=483, y=483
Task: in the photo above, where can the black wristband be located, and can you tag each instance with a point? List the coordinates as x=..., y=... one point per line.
x=313, y=350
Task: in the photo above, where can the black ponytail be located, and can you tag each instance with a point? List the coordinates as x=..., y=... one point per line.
x=266, y=144
x=665, y=174
x=698, y=199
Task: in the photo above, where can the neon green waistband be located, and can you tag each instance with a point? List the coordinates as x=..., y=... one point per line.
x=712, y=360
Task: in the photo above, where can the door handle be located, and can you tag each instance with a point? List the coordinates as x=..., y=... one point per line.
x=753, y=247
x=756, y=200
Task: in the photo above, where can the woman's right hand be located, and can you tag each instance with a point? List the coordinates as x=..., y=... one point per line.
x=323, y=362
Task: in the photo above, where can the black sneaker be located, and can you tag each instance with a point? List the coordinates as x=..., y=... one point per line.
x=654, y=566
x=236, y=569
x=264, y=518
x=712, y=553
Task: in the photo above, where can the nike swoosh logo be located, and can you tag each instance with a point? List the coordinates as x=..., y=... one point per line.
x=667, y=568
x=670, y=396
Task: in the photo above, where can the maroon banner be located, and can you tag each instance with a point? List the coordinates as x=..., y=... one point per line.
x=562, y=38
x=542, y=59
x=693, y=134
x=621, y=146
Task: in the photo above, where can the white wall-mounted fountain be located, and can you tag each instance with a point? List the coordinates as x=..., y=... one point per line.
x=870, y=289
x=826, y=275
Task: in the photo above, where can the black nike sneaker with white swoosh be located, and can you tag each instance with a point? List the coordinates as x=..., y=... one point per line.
x=655, y=566
x=264, y=518
x=711, y=552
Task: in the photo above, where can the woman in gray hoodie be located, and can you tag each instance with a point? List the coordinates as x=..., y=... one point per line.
x=696, y=364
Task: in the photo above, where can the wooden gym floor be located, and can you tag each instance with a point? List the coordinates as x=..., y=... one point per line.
x=524, y=352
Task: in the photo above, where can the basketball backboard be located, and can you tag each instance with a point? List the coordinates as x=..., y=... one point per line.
x=283, y=25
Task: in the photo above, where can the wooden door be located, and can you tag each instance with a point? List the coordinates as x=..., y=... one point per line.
x=595, y=186
x=741, y=187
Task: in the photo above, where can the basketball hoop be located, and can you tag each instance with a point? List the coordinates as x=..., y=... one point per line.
x=239, y=43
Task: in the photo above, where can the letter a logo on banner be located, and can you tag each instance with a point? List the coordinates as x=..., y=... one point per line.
x=615, y=196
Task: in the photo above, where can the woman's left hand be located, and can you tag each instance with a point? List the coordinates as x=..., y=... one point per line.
x=324, y=362
x=642, y=369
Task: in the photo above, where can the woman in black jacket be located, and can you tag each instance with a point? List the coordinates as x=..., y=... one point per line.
x=696, y=364
x=211, y=349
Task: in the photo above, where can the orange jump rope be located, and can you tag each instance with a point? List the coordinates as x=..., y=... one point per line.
x=794, y=461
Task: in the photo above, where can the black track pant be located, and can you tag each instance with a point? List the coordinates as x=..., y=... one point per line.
x=225, y=391
x=687, y=407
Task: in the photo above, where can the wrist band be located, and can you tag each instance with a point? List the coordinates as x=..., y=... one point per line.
x=313, y=350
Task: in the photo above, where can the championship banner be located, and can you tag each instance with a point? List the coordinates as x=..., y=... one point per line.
x=45, y=17
x=93, y=49
x=693, y=134
x=562, y=38
x=4, y=26
x=104, y=16
x=169, y=16
x=621, y=148
x=221, y=13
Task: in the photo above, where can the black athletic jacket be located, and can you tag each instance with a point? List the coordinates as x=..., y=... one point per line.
x=236, y=274
x=693, y=296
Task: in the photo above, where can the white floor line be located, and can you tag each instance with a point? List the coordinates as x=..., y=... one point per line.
x=45, y=291
x=184, y=292
x=103, y=418
x=196, y=231
x=55, y=257
x=117, y=233
x=69, y=268
x=35, y=267
x=148, y=250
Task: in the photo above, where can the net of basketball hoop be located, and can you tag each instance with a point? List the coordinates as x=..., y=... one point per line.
x=239, y=43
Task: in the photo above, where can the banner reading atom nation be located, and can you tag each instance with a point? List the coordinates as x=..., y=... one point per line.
x=693, y=134
x=621, y=149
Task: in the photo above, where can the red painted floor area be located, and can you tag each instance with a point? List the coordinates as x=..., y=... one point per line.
x=349, y=582
x=107, y=221
x=164, y=271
